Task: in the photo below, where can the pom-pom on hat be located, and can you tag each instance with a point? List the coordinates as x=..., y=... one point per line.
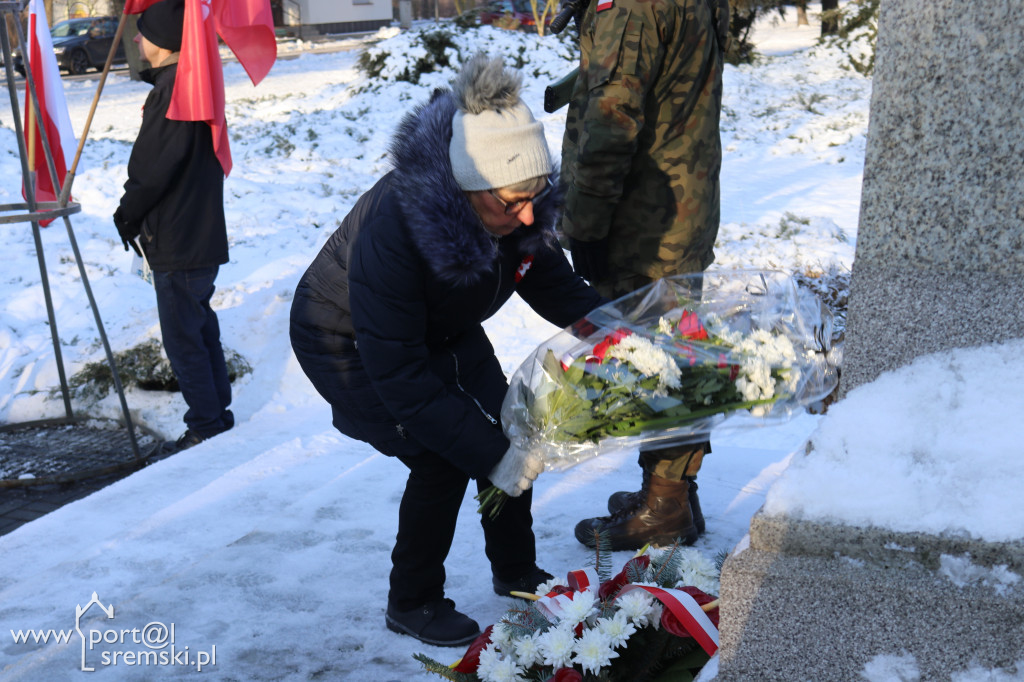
x=496, y=141
x=162, y=24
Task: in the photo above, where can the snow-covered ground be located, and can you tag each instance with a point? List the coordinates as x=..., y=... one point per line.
x=270, y=544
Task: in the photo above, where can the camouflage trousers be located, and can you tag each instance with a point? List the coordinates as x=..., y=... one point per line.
x=675, y=462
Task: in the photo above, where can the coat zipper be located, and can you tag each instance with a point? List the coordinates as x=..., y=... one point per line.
x=471, y=397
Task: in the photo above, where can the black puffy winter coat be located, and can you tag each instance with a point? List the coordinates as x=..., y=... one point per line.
x=386, y=322
x=175, y=188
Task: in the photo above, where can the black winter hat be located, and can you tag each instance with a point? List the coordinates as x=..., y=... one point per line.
x=162, y=23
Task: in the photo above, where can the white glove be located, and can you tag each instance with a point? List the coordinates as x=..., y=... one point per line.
x=516, y=471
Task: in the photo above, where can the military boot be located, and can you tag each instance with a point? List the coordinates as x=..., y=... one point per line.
x=625, y=500
x=629, y=500
x=662, y=518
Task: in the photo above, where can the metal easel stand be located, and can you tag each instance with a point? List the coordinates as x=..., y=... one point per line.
x=32, y=211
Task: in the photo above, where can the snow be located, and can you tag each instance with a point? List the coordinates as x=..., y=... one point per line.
x=931, y=432
x=270, y=544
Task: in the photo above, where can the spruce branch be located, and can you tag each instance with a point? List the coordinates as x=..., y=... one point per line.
x=442, y=670
x=602, y=556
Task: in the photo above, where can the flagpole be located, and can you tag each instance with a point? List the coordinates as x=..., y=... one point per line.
x=30, y=186
x=30, y=88
x=65, y=191
x=30, y=191
x=31, y=138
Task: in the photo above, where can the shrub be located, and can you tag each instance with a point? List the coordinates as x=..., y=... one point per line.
x=144, y=366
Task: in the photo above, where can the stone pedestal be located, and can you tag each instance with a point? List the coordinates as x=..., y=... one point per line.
x=820, y=602
x=940, y=246
x=939, y=265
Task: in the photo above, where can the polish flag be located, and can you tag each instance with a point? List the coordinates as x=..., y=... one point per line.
x=53, y=110
x=138, y=6
x=247, y=26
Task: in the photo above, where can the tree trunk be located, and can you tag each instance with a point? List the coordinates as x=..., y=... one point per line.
x=801, y=14
x=829, y=24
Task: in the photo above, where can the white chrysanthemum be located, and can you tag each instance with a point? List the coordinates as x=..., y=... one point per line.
x=665, y=326
x=527, y=650
x=618, y=629
x=714, y=324
x=501, y=637
x=697, y=570
x=763, y=351
x=582, y=606
x=648, y=359
x=490, y=657
x=638, y=606
x=556, y=646
x=547, y=586
x=505, y=670
x=497, y=668
x=594, y=651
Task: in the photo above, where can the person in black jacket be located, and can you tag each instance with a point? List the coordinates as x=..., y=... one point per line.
x=173, y=203
x=386, y=323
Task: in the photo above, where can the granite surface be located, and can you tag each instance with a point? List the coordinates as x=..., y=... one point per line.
x=940, y=246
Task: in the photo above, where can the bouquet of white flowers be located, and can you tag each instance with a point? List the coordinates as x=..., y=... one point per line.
x=655, y=621
x=667, y=364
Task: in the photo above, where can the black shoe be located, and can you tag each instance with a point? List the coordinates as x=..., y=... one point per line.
x=436, y=623
x=184, y=442
x=527, y=583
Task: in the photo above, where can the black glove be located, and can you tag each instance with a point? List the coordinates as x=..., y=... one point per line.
x=128, y=231
x=590, y=259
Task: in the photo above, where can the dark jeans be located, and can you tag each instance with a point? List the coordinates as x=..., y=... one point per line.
x=191, y=337
x=426, y=527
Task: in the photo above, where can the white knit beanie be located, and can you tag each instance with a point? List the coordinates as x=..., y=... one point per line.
x=496, y=141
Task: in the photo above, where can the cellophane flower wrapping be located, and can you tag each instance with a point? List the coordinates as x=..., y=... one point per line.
x=670, y=362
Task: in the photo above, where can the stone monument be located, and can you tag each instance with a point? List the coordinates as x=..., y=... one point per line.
x=939, y=265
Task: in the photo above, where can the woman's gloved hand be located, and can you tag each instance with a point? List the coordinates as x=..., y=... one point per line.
x=516, y=471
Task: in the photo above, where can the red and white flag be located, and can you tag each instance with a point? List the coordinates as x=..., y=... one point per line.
x=247, y=26
x=53, y=114
x=138, y=6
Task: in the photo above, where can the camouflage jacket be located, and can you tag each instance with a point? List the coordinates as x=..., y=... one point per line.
x=641, y=154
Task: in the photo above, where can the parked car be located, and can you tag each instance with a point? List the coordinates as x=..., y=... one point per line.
x=519, y=10
x=81, y=44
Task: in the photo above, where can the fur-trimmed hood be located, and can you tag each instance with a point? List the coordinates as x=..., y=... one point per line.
x=441, y=220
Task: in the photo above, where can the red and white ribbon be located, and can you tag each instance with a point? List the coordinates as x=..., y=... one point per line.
x=583, y=579
x=552, y=604
x=686, y=610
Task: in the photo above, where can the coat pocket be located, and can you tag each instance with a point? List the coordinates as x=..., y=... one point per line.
x=616, y=49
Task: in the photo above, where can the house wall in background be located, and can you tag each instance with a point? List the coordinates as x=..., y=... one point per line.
x=337, y=16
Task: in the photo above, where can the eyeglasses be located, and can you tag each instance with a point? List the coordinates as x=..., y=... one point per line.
x=513, y=207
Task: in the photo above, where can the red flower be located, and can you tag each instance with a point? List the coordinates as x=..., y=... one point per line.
x=670, y=623
x=688, y=353
x=602, y=348
x=471, y=659
x=691, y=328
x=609, y=588
x=723, y=362
x=566, y=675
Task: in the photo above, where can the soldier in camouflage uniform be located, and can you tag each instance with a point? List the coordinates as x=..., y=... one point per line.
x=641, y=158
